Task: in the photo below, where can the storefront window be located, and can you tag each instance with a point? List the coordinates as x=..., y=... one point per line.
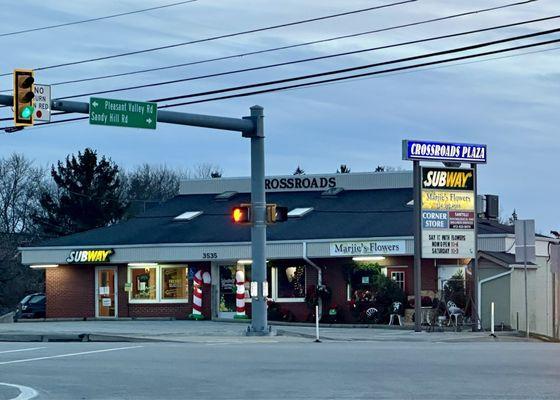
x=144, y=283
x=290, y=282
x=174, y=283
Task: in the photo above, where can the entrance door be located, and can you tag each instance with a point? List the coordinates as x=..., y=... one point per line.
x=105, y=292
x=226, y=307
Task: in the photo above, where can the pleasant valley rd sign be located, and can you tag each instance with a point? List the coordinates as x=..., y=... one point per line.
x=123, y=113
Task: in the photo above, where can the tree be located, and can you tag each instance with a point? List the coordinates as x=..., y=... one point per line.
x=343, y=169
x=88, y=194
x=299, y=171
x=207, y=170
x=20, y=185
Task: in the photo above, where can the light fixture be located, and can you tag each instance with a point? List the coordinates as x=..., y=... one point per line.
x=43, y=266
x=368, y=258
x=244, y=262
x=143, y=265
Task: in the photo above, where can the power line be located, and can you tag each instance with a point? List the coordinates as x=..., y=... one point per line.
x=229, y=35
x=288, y=46
x=344, y=78
x=360, y=67
x=433, y=38
x=95, y=19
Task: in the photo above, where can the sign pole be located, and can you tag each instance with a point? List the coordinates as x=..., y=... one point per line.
x=525, y=270
x=474, y=307
x=416, y=171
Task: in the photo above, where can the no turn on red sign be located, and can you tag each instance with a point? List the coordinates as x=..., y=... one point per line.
x=42, y=103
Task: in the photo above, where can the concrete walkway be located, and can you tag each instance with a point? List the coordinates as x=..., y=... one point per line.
x=204, y=331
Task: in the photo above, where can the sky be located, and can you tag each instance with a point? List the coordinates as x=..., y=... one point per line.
x=511, y=104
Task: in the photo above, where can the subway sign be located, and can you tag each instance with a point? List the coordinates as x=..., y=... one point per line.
x=419, y=150
x=89, y=256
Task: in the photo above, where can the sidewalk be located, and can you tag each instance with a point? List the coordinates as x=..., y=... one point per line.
x=203, y=331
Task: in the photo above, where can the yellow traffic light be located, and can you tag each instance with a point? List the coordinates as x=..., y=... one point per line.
x=23, y=97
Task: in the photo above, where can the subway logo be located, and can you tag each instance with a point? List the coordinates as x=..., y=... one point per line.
x=89, y=256
x=447, y=178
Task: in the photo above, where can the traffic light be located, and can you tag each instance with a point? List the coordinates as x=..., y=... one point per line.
x=275, y=213
x=241, y=214
x=23, y=97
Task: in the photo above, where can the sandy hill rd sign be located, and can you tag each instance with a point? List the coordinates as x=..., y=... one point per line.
x=123, y=113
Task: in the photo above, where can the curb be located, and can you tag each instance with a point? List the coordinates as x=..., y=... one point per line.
x=82, y=337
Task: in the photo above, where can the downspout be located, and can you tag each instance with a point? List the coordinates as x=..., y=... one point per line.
x=319, y=277
x=490, y=278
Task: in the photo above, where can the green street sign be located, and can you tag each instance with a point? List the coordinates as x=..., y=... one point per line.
x=124, y=113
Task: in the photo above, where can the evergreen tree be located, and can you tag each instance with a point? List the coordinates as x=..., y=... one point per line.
x=299, y=171
x=88, y=194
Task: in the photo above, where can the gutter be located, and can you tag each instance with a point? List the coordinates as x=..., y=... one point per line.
x=490, y=278
x=319, y=276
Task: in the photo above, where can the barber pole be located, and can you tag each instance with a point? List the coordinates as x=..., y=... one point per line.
x=197, y=297
x=240, y=295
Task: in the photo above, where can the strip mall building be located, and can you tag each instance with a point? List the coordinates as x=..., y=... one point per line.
x=144, y=267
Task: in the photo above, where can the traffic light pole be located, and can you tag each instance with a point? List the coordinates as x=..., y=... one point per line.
x=251, y=127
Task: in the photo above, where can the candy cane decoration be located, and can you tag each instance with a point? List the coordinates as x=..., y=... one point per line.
x=240, y=294
x=197, y=296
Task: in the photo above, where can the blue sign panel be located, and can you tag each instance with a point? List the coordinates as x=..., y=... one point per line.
x=435, y=220
x=442, y=151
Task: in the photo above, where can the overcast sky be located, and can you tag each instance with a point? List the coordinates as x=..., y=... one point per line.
x=511, y=104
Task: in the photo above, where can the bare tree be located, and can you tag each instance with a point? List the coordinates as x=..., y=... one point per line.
x=206, y=170
x=20, y=187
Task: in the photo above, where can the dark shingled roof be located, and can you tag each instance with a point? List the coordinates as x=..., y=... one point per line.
x=351, y=214
x=506, y=258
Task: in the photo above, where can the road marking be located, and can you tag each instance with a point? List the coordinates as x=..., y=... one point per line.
x=25, y=393
x=28, y=349
x=68, y=355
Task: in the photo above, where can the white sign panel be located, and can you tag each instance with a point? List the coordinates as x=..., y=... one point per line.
x=448, y=243
x=42, y=103
x=368, y=248
x=106, y=302
x=525, y=240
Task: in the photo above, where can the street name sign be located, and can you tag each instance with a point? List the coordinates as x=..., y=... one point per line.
x=122, y=113
x=42, y=103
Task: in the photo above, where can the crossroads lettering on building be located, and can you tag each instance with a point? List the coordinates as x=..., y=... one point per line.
x=89, y=256
x=300, y=183
x=441, y=151
x=368, y=248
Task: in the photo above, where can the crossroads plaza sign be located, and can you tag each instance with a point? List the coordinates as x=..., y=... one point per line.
x=420, y=150
x=122, y=113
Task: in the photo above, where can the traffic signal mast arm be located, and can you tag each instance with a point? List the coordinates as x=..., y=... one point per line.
x=244, y=125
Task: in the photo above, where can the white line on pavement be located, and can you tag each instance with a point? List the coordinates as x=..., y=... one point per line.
x=68, y=355
x=18, y=350
x=25, y=393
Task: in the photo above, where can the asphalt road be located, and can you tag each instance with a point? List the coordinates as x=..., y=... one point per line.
x=271, y=368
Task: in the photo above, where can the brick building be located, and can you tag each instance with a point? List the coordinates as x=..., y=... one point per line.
x=144, y=267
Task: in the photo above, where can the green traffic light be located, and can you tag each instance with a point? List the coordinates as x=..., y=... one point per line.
x=27, y=112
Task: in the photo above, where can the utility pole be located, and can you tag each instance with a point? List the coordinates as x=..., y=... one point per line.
x=251, y=127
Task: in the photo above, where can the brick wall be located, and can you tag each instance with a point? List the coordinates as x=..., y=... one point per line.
x=70, y=291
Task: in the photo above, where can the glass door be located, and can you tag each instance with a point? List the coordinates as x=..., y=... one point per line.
x=226, y=307
x=105, y=290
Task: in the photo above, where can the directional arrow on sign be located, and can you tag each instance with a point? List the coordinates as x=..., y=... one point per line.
x=149, y=120
x=95, y=104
